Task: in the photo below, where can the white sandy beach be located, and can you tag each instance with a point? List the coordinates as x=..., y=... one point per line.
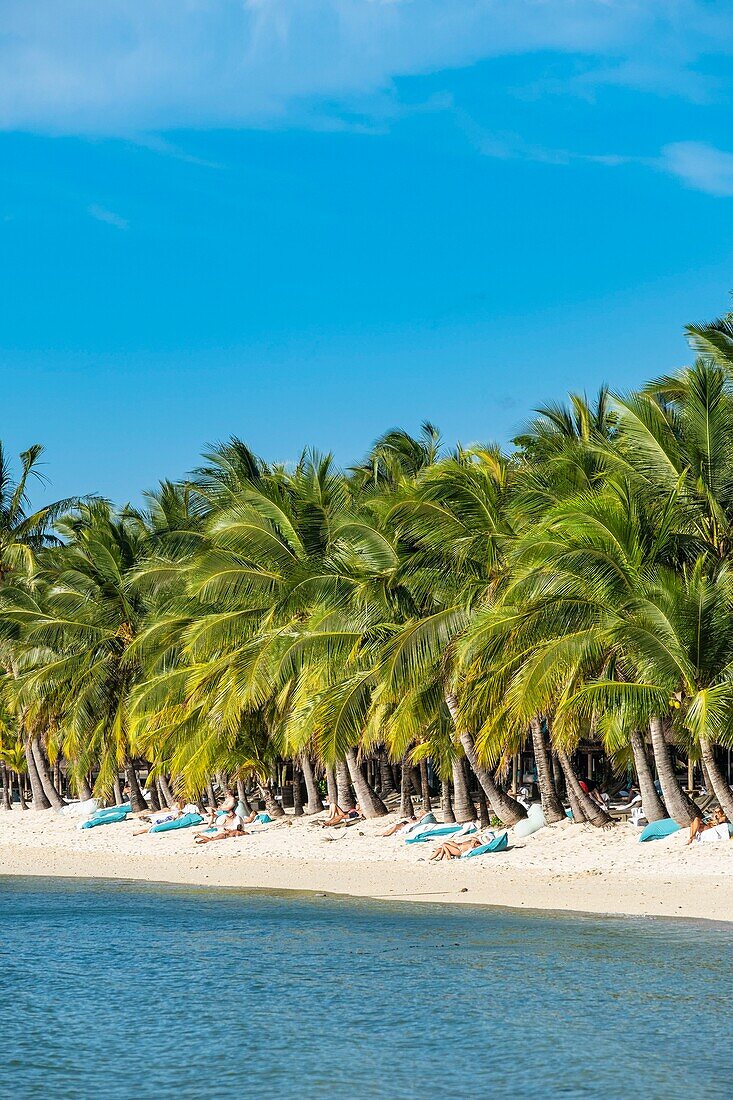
x=565, y=867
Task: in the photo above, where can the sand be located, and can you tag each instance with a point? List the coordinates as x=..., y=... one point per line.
x=561, y=868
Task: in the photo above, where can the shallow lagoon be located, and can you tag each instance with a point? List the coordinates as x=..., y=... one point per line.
x=137, y=990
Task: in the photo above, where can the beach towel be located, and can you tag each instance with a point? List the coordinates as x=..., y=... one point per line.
x=183, y=822
x=500, y=843
x=716, y=834
x=656, y=830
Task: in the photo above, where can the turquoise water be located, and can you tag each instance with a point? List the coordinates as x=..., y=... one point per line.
x=131, y=990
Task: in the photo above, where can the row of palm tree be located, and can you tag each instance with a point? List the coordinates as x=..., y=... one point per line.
x=257, y=625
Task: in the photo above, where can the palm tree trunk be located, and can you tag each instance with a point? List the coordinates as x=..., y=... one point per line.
x=117, y=791
x=591, y=811
x=506, y=808
x=272, y=805
x=370, y=802
x=297, y=790
x=680, y=807
x=446, y=803
x=424, y=786
x=331, y=785
x=137, y=801
x=343, y=787
x=44, y=774
x=484, y=819
x=242, y=797
x=154, y=796
x=652, y=805
x=165, y=790
x=721, y=790
x=83, y=790
x=40, y=801
x=386, y=777
x=463, y=806
x=21, y=796
x=406, y=807
x=314, y=805
x=7, y=793
x=552, y=807
x=557, y=776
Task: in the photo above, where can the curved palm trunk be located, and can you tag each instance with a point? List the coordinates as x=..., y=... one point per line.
x=45, y=776
x=424, y=787
x=331, y=785
x=297, y=791
x=484, y=818
x=506, y=808
x=136, y=795
x=552, y=807
x=406, y=807
x=463, y=807
x=721, y=790
x=21, y=795
x=272, y=805
x=314, y=805
x=652, y=805
x=165, y=790
x=446, y=803
x=117, y=789
x=343, y=787
x=40, y=801
x=591, y=811
x=370, y=802
x=83, y=790
x=680, y=807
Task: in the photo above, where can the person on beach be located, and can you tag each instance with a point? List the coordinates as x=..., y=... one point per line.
x=168, y=814
x=400, y=825
x=454, y=849
x=698, y=826
x=591, y=789
x=338, y=815
x=228, y=825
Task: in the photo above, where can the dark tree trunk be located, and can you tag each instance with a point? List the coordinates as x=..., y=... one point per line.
x=483, y=810
x=651, y=804
x=297, y=791
x=552, y=807
x=242, y=797
x=463, y=806
x=406, y=807
x=343, y=787
x=45, y=775
x=21, y=795
x=331, y=785
x=154, y=798
x=272, y=805
x=446, y=802
x=506, y=808
x=590, y=809
x=415, y=781
x=370, y=802
x=557, y=776
x=117, y=791
x=137, y=802
x=424, y=786
x=40, y=801
x=721, y=790
x=211, y=794
x=680, y=807
x=386, y=776
x=314, y=805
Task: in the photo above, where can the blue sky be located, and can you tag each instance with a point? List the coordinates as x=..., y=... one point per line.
x=306, y=221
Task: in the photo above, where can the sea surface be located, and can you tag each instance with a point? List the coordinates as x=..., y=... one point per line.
x=129, y=990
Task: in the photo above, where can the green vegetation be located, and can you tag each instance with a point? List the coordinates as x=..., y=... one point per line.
x=259, y=625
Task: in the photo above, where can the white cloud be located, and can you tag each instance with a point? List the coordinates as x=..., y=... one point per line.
x=700, y=166
x=131, y=66
x=107, y=216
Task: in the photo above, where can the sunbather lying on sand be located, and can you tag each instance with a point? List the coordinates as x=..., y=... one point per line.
x=698, y=826
x=228, y=825
x=338, y=815
x=399, y=826
x=169, y=813
x=454, y=849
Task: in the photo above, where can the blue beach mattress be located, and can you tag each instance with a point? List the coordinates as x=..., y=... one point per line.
x=500, y=843
x=656, y=830
x=183, y=822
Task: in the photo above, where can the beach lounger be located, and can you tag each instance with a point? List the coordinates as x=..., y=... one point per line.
x=500, y=843
x=657, y=830
x=437, y=831
x=186, y=821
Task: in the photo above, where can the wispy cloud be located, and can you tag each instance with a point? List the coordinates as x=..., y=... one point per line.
x=700, y=166
x=132, y=66
x=107, y=216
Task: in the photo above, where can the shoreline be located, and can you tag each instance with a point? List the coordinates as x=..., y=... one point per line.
x=562, y=869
